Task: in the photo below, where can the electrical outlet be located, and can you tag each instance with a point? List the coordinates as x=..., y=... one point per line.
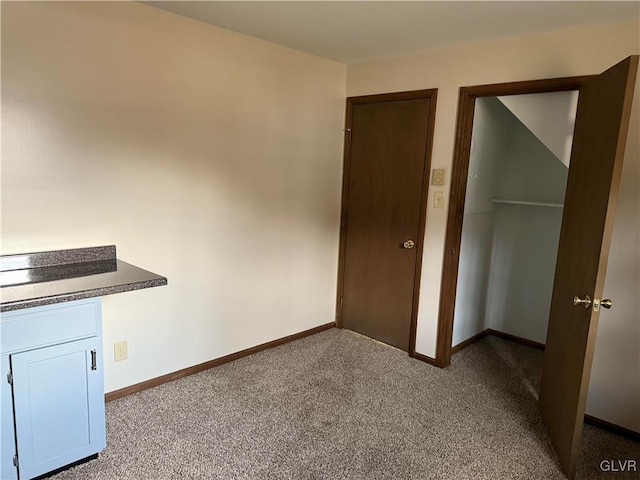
x=437, y=178
x=120, y=351
x=438, y=199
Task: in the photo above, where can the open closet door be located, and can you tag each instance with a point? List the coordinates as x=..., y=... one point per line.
x=602, y=121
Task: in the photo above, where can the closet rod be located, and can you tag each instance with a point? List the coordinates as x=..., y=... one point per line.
x=523, y=202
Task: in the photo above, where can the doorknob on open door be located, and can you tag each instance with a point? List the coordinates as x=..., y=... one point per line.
x=604, y=303
x=408, y=244
x=586, y=301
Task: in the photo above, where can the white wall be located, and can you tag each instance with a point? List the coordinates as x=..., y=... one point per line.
x=492, y=125
x=614, y=392
x=206, y=156
x=525, y=241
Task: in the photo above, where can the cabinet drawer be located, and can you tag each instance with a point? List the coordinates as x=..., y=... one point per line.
x=37, y=327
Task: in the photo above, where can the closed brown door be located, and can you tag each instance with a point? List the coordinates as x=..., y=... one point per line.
x=386, y=165
x=600, y=134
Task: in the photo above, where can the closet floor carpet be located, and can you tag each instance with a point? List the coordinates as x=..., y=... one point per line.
x=337, y=405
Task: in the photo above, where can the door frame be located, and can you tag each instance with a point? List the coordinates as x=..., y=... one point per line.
x=430, y=94
x=459, y=174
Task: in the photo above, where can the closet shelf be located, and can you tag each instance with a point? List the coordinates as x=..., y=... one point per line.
x=524, y=202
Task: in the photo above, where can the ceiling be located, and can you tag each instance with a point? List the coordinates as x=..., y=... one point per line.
x=358, y=31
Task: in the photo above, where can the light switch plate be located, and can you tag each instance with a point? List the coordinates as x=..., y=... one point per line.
x=437, y=176
x=438, y=199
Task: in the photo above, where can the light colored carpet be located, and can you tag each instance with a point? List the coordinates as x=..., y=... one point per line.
x=338, y=405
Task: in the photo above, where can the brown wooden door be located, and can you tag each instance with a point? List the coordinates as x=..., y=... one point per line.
x=602, y=122
x=386, y=165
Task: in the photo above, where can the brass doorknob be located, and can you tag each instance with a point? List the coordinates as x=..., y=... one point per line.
x=409, y=244
x=605, y=303
x=586, y=301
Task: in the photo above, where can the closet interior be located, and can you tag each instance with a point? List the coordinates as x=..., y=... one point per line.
x=517, y=177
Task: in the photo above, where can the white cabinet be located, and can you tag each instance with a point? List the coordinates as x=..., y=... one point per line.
x=52, y=397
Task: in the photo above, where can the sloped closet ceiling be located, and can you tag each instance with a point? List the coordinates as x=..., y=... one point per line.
x=549, y=116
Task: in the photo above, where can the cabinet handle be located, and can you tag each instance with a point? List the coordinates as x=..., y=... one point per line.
x=93, y=360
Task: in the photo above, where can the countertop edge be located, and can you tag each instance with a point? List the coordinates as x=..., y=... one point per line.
x=94, y=292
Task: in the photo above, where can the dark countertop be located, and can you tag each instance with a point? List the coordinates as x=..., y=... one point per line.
x=44, y=278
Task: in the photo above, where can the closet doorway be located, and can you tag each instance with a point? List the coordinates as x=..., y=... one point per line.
x=601, y=124
x=500, y=168
x=518, y=167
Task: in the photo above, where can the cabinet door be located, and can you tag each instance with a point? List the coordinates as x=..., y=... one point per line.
x=58, y=395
